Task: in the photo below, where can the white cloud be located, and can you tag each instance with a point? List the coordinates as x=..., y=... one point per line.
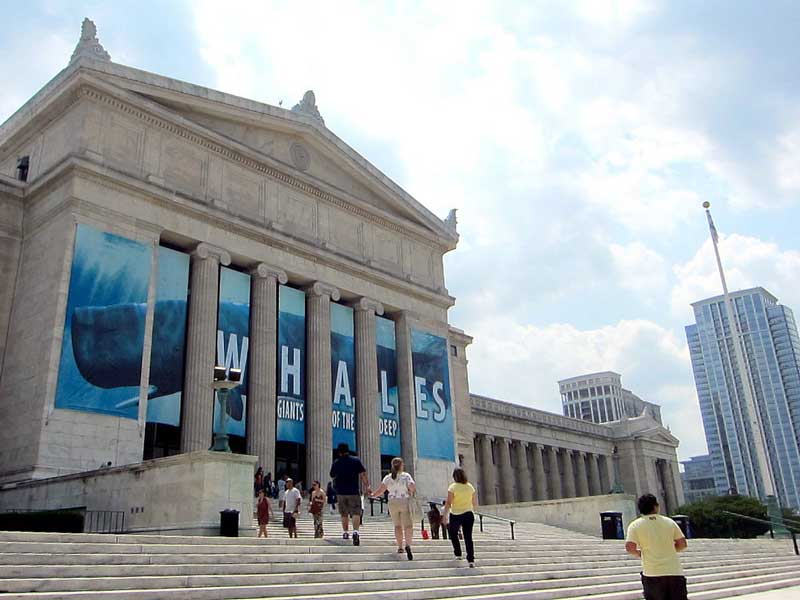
x=640, y=269
x=748, y=262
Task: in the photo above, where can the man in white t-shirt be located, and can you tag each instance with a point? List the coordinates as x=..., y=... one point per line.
x=291, y=507
x=657, y=539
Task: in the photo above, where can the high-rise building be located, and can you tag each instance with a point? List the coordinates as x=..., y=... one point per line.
x=772, y=356
x=600, y=398
x=698, y=478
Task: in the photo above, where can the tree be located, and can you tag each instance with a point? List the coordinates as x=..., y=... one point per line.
x=708, y=519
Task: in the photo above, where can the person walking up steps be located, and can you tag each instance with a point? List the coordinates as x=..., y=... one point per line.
x=331, y=497
x=459, y=509
x=346, y=472
x=264, y=510
x=316, y=506
x=657, y=539
x=291, y=507
x=401, y=488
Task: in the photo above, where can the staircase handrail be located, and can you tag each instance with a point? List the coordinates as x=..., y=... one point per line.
x=771, y=523
x=511, y=522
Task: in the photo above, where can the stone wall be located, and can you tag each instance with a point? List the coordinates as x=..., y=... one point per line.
x=577, y=514
x=178, y=494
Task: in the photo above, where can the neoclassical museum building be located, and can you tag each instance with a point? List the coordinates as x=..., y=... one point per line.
x=151, y=229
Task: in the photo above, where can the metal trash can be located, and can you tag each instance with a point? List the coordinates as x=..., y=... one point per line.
x=229, y=522
x=685, y=524
x=611, y=523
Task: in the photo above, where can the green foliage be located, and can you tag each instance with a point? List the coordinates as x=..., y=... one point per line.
x=60, y=521
x=709, y=521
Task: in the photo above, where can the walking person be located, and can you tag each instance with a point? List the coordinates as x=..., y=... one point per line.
x=331, y=494
x=291, y=507
x=258, y=481
x=347, y=471
x=402, y=489
x=459, y=513
x=657, y=539
x=264, y=511
x=281, y=488
x=316, y=506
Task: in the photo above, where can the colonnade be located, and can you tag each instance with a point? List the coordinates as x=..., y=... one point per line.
x=197, y=400
x=518, y=471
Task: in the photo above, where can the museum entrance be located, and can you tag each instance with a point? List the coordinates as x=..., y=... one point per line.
x=290, y=459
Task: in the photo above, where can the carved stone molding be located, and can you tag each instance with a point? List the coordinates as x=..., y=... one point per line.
x=318, y=288
x=264, y=270
x=204, y=250
x=368, y=305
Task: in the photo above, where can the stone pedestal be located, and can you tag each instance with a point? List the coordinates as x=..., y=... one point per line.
x=368, y=434
x=201, y=344
x=319, y=428
x=262, y=364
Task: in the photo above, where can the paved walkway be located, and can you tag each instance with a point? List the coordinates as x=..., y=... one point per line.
x=792, y=593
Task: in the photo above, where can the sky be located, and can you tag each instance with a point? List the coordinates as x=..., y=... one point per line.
x=576, y=139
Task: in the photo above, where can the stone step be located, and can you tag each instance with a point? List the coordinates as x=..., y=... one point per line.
x=472, y=584
x=429, y=567
x=46, y=582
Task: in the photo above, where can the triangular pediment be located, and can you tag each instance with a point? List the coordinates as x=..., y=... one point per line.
x=298, y=144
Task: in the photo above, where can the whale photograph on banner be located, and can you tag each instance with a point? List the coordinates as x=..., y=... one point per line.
x=101, y=351
x=169, y=338
x=388, y=412
x=343, y=373
x=432, y=402
x=233, y=345
x=291, y=365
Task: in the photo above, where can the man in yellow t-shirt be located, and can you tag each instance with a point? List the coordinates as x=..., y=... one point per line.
x=657, y=539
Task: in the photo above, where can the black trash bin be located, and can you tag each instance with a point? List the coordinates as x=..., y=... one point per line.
x=685, y=524
x=229, y=522
x=611, y=522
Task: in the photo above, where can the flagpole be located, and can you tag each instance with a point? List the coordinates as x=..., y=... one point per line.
x=753, y=417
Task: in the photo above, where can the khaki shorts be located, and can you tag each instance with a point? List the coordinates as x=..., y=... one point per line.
x=400, y=512
x=349, y=505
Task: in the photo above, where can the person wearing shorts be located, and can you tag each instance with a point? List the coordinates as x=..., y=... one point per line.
x=657, y=539
x=401, y=488
x=347, y=472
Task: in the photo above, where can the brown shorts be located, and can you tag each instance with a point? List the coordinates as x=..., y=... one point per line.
x=400, y=512
x=349, y=505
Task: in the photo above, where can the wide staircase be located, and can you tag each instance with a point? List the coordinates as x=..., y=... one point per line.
x=543, y=562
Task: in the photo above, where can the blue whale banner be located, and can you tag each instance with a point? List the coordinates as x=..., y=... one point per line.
x=388, y=413
x=291, y=365
x=169, y=338
x=101, y=352
x=433, y=406
x=233, y=343
x=343, y=372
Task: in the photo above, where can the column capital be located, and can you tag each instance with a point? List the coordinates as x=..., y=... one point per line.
x=318, y=288
x=204, y=250
x=487, y=437
x=365, y=304
x=263, y=270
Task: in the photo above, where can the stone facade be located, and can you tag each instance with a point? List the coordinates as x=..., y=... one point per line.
x=273, y=193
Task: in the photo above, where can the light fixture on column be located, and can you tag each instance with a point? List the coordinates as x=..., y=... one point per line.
x=224, y=381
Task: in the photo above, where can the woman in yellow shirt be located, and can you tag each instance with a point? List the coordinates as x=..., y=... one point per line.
x=458, y=513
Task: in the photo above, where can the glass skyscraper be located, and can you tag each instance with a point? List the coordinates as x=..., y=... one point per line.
x=772, y=355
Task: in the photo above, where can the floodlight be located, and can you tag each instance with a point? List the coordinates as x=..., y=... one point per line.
x=235, y=375
x=219, y=373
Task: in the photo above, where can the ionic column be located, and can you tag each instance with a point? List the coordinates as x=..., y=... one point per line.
x=569, y=475
x=595, y=489
x=368, y=434
x=506, y=474
x=609, y=471
x=669, y=487
x=488, y=472
x=538, y=473
x=583, y=478
x=405, y=390
x=524, y=482
x=262, y=364
x=319, y=428
x=201, y=344
x=555, y=476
